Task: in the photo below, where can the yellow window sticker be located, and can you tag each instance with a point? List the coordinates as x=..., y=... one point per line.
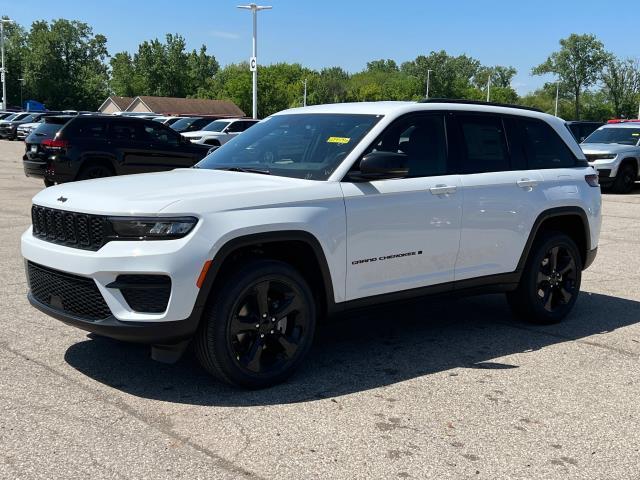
x=635, y=134
x=338, y=140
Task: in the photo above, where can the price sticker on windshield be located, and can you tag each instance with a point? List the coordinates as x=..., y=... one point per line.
x=338, y=140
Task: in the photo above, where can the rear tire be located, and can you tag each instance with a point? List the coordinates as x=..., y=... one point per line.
x=94, y=170
x=625, y=179
x=49, y=183
x=550, y=282
x=257, y=329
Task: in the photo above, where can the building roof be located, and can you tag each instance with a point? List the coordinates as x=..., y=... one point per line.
x=189, y=106
x=121, y=102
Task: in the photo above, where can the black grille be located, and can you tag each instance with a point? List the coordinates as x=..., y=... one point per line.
x=144, y=293
x=72, y=229
x=67, y=293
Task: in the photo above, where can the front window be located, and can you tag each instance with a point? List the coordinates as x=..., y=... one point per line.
x=621, y=135
x=308, y=146
x=216, y=126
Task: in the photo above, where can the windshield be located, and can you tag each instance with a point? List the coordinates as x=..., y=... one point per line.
x=308, y=146
x=216, y=126
x=183, y=123
x=624, y=136
x=11, y=117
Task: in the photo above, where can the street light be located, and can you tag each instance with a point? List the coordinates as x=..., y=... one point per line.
x=428, y=78
x=489, y=88
x=21, y=80
x=3, y=72
x=253, y=63
x=557, y=96
x=304, y=97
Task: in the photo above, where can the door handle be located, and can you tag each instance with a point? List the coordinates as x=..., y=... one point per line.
x=443, y=189
x=526, y=183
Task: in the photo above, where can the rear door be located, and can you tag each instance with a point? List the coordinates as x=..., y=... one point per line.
x=501, y=194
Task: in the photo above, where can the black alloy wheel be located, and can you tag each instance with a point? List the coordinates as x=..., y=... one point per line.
x=556, y=280
x=258, y=327
x=550, y=282
x=625, y=179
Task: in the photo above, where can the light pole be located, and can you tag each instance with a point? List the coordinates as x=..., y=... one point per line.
x=489, y=88
x=557, y=96
x=3, y=72
x=304, y=97
x=253, y=63
x=428, y=79
x=21, y=80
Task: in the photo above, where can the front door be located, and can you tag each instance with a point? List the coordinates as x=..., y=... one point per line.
x=403, y=233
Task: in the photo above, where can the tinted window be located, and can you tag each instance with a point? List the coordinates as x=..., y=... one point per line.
x=544, y=148
x=125, y=131
x=236, y=127
x=159, y=135
x=87, y=129
x=422, y=139
x=484, y=144
x=307, y=146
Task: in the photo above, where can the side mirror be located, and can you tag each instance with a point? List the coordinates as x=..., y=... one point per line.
x=382, y=165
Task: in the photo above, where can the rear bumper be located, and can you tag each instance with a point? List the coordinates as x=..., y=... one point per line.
x=34, y=168
x=164, y=333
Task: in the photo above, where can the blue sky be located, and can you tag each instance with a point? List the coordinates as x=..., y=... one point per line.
x=349, y=33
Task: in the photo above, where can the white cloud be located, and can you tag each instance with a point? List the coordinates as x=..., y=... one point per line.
x=225, y=35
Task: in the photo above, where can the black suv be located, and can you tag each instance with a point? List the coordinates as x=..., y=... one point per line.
x=101, y=146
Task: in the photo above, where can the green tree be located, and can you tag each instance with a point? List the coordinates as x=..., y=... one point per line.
x=451, y=76
x=577, y=64
x=64, y=64
x=621, y=80
x=15, y=44
x=162, y=69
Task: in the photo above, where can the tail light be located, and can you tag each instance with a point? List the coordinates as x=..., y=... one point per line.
x=54, y=144
x=592, y=180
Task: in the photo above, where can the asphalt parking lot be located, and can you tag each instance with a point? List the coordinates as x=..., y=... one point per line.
x=434, y=389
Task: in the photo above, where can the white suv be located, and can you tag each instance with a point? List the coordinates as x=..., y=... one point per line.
x=220, y=132
x=314, y=211
x=614, y=150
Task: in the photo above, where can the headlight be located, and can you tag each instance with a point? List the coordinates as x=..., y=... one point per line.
x=601, y=156
x=152, y=228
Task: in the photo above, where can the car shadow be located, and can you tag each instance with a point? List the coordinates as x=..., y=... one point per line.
x=362, y=350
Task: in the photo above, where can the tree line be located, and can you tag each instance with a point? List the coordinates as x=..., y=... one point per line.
x=64, y=64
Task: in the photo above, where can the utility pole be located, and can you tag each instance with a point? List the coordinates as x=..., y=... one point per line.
x=253, y=63
x=428, y=79
x=489, y=88
x=3, y=72
x=304, y=97
x=557, y=96
x=21, y=80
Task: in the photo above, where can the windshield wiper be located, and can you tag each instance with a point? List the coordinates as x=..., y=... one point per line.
x=245, y=170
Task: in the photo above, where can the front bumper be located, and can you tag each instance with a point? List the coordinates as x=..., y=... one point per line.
x=163, y=333
x=180, y=259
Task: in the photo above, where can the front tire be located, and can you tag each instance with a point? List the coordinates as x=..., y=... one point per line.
x=550, y=282
x=625, y=179
x=257, y=329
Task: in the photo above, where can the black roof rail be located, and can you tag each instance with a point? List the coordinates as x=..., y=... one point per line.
x=478, y=102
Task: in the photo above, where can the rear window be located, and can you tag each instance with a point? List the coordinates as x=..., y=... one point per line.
x=544, y=148
x=47, y=129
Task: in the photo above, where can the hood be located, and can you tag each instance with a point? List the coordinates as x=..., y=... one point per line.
x=591, y=148
x=201, y=133
x=151, y=193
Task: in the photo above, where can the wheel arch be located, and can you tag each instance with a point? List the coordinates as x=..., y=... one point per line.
x=283, y=245
x=106, y=160
x=570, y=220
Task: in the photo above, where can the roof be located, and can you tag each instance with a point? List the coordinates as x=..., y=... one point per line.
x=189, y=106
x=121, y=102
x=399, y=108
x=622, y=125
